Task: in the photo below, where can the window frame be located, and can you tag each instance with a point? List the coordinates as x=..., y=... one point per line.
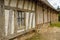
x=19, y=20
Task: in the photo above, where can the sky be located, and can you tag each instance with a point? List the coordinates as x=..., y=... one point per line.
x=54, y=3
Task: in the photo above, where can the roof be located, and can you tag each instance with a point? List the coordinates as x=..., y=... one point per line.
x=46, y=2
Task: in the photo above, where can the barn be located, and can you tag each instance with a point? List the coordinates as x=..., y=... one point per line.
x=18, y=17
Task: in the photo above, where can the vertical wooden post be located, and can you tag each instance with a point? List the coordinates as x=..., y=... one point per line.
x=47, y=13
x=15, y=21
x=50, y=16
x=2, y=20
x=35, y=13
x=43, y=15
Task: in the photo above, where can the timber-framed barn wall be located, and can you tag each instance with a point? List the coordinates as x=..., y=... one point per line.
x=45, y=16
x=21, y=16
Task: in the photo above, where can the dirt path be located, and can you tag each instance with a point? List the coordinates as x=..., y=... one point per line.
x=47, y=34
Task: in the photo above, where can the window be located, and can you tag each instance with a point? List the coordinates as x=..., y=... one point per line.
x=20, y=20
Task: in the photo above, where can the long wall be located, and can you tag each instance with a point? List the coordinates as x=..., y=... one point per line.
x=45, y=15
x=36, y=15
x=19, y=17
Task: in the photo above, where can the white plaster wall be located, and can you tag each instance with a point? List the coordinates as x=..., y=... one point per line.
x=38, y=15
x=41, y=16
x=27, y=20
x=33, y=20
x=9, y=22
x=13, y=3
x=20, y=4
x=33, y=7
x=48, y=16
x=30, y=5
x=26, y=5
x=6, y=2
x=30, y=21
x=45, y=16
x=6, y=21
x=12, y=24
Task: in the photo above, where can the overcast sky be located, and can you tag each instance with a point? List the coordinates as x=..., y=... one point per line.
x=54, y=3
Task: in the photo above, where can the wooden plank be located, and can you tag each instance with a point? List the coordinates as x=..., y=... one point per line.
x=23, y=4
x=14, y=8
x=32, y=20
x=15, y=21
x=43, y=14
x=50, y=15
x=47, y=14
x=35, y=13
x=29, y=21
x=9, y=2
x=17, y=3
x=2, y=20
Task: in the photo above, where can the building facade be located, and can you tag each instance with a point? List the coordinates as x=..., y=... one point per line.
x=21, y=16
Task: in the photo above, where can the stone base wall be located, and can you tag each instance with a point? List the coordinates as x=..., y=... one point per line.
x=24, y=36
x=42, y=27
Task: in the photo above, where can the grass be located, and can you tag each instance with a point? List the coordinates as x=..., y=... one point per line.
x=57, y=24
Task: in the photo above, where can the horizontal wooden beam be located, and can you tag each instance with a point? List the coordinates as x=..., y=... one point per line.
x=14, y=8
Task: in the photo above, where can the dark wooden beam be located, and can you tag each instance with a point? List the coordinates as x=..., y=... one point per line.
x=14, y=8
x=47, y=13
x=17, y=3
x=9, y=2
x=2, y=20
x=50, y=16
x=43, y=13
x=23, y=4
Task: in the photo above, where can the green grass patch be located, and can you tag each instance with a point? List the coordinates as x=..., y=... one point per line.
x=57, y=24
